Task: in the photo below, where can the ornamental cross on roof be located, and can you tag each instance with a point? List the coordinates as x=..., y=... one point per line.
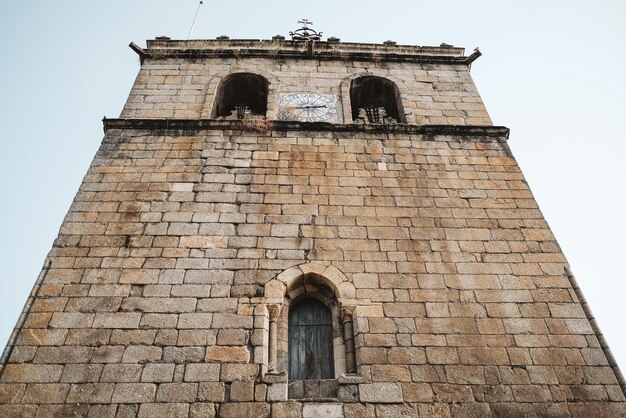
x=305, y=33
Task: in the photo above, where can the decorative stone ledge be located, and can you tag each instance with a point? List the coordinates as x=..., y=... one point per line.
x=170, y=126
x=319, y=50
x=166, y=44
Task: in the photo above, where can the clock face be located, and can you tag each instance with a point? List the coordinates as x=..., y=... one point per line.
x=308, y=107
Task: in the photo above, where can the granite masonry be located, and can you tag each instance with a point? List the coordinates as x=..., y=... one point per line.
x=245, y=176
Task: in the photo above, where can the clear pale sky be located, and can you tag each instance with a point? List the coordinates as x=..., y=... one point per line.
x=552, y=71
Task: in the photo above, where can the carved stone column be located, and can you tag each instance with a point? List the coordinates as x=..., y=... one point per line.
x=348, y=333
x=274, y=312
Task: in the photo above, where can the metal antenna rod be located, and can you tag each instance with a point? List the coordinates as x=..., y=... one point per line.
x=194, y=19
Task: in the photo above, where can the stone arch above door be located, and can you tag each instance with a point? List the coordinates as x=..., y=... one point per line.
x=277, y=288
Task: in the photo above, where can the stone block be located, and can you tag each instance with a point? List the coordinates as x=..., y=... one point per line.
x=232, y=337
x=158, y=373
x=202, y=410
x=102, y=411
x=406, y=355
x=202, y=372
x=170, y=410
x=470, y=410
x=191, y=290
x=245, y=409
x=417, y=392
x=232, y=354
x=141, y=354
x=277, y=392
x=160, y=321
x=72, y=320
x=390, y=411
x=134, y=393
x=53, y=411
x=31, y=373
x=589, y=409
x=231, y=372
x=542, y=375
x=88, y=337
x=452, y=393
x=242, y=391
x=531, y=393
x=41, y=337
x=295, y=389
x=182, y=355
x=165, y=305
x=45, y=393
x=108, y=354
x=442, y=355
x=260, y=392
x=121, y=373
x=380, y=392
x=137, y=276
x=359, y=411
x=117, y=320
x=17, y=410
x=211, y=392
x=217, y=304
x=193, y=337
x=126, y=337
x=63, y=355
x=11, y=392
x=195, y=320
x=348, y=393
x=322, y=410
x=548, y=356
x=286, y=409
x=466, y=374
x=177, y=392
x=231, y=321
x=483, y=356
x=90, y=393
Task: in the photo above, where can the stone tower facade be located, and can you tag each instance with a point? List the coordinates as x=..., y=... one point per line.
x=246, y=181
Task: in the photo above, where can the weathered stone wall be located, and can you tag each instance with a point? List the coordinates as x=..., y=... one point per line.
x=431, y=94
x=168, y=289
x=155, y=301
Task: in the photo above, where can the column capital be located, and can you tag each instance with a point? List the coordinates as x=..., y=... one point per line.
x=274, y=311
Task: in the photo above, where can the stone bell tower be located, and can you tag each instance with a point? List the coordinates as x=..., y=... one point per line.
x=306, y=228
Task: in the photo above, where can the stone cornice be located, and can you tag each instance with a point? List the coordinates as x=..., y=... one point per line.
x=194, y=125
x=319, y=50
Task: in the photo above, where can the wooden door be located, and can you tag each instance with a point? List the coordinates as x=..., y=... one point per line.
x=310, y=341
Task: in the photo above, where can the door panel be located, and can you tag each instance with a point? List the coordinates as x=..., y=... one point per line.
x=310, y=341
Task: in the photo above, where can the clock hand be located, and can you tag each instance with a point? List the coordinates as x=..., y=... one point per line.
x=310, y=107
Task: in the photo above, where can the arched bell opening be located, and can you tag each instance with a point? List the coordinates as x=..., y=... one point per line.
x=241, y=96
x=375, y=100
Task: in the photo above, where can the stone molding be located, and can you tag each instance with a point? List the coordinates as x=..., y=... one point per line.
x=481, y=133
x=288, y=286
x=318, y=50
x=330, y=275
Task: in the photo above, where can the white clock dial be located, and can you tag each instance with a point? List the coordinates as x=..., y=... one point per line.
x=308, y=107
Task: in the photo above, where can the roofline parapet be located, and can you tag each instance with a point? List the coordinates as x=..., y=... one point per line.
x=162, y=48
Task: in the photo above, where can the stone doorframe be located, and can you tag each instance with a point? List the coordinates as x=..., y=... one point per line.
x=323, y=282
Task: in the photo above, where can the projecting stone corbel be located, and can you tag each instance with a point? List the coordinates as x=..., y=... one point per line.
x=140, y=51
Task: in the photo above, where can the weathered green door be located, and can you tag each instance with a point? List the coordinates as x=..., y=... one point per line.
x=310, y=341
